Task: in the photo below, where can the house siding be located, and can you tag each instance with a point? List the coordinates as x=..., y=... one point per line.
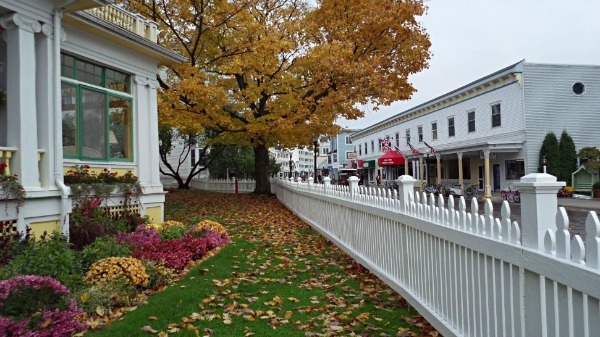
x=551, y=105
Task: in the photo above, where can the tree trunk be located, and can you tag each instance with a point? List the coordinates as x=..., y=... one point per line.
x=261, y=170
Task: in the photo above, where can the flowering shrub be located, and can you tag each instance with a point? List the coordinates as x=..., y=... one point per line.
x=106, y=296
x=158, y=274
x=11, y=244
x=10, y=187
x=175, y=254
x=89, y=221
x=142, y=236
x=214, y=240
x=24, y=297
x=112, y=268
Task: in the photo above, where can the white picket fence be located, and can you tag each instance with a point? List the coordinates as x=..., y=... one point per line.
x=223, y=185
x=468, y=274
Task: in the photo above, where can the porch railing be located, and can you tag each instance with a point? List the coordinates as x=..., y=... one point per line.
x=5, y=154
x=468, y=274
x=135, y=23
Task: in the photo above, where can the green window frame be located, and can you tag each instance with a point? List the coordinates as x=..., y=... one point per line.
x=97, y=111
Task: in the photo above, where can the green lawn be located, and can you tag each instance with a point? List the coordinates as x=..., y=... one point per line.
x=277, y=278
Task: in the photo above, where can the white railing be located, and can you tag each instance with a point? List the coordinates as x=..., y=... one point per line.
x=5, y=154
x=468, y=274
x=135, y=23
x=223, y=185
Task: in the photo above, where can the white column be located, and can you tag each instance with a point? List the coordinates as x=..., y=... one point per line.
x=45, y=104
x=21, y=93
x=153, y=134
x=438, y=166
x=460, y=170
x=142, y=129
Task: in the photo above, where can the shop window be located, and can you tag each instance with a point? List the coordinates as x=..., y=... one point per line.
x=515, y=169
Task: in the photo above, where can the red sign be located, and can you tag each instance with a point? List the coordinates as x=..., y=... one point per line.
x=391, y=158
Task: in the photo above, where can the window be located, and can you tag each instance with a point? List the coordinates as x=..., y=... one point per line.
x=96, y=123
x=420, y=133
x=397, y=139
x=366, y=149
x=324, y=151
x=496, y=115
x=360, y=150
x=373, y=146
x=471, y=121
x=450, y=126
x=515, y=169
x=407, y=136
x=434, y=130
x=348, y=140
x=578, y=88
x=335, y=157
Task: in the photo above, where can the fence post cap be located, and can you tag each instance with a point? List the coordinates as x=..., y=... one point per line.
x=353, y=178
x=539, y=181
x=406, y=178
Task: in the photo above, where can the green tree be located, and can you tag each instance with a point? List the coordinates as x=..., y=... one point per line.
x=590, y=157
x=567, y=157
x=236, y=161
x=549, y=151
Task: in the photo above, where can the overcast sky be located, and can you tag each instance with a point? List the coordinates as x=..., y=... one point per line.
x=473, y=38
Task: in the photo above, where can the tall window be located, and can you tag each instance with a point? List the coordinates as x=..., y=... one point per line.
x=348, y=140
x=471, y=121
x=407, y=136
x=434, y=130
x=366, y=149
x=360, y=149
x=397, y=139
x=496, y=115
x=96, y=121
x=450, y=126
x=420, y=133
x=373, y=146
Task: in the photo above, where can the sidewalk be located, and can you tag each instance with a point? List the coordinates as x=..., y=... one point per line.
x=588, y=204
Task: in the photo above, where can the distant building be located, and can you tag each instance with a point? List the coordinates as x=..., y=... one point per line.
x=341, y=153
x=488, y=132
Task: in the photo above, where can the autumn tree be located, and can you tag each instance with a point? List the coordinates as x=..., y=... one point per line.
x=268, y=72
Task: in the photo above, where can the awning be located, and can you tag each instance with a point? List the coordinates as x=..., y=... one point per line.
x=391, y=158
x=359, y=164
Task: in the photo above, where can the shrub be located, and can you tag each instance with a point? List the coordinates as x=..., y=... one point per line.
x=100, y=249
x=51, y=256
x=111, y=268
x=171, y=233
x=11, y=244
x=102, y=298
x=33, y=305
x=158, y=274
x=142, y=236
x=210, y=225
x=89, y=221
x=214, y=240
x=175, y=254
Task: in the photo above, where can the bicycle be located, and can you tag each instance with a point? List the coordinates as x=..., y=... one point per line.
x=435, y=189
x=511, y=195
x=472, y=191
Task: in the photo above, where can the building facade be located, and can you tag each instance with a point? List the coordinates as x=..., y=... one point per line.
x=341, y=153
x=79, y=88
x=489, y=132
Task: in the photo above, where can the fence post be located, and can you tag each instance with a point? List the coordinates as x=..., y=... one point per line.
x=539, y=205
x=353, y=183
x=310, y=182
x=406, y=187
x=538, y=211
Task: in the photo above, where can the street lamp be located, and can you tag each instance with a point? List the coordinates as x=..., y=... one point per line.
x=316, y=150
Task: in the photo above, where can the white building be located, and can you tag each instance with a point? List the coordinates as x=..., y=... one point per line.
x=489, y=132
x=79, y=87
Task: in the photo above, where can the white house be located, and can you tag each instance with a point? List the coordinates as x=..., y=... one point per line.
x=489, y=132
x=79, y=84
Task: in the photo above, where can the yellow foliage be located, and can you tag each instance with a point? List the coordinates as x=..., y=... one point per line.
x=209, y=225
x=111, y=268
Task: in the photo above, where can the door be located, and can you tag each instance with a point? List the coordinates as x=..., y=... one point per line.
x=496, y=172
